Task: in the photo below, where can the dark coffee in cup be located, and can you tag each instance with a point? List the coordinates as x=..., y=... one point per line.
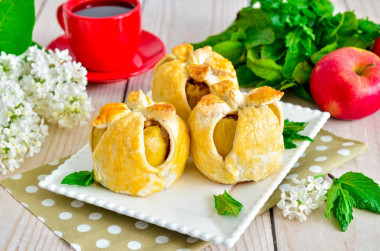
x=103, y=9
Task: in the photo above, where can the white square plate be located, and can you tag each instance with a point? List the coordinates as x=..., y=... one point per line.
x=188, y=206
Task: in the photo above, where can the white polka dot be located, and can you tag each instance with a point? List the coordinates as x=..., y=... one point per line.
x=48, y=202
x=191, y=239
x=59, y=233
x=24, y=204
x=297, y=164
x=326, y=138
x=134, y=245
x=344, y=152
x=114, y=229
x=348, y=144
x=76, y=247
x=9, y=191
x=321, y=148
x=303, y=155
x=102, y=243
x=31, y=189
x=321, y=158
x=41, y=177
x=77, y=203
x=54, y=162
x=83, y=228
x=16, y=177
x=65, y=216
x=41, y=219
x=161, y=239
x=95, y=216
x=289, y=177
x=141, y=224
x=285, y=187
x=315, y=169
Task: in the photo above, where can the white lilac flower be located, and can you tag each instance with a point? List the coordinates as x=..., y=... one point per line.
x=56, y=86
x=314, y=182
x=37, y=84
x=305, y=196
x=21, y=129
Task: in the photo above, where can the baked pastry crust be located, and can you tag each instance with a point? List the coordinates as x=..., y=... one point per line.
x=202, y=65
x=120, y=163
x=258, y=145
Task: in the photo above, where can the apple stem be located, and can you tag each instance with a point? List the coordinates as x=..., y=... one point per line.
x=361, y=71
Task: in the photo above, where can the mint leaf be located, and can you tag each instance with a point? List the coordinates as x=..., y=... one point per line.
x=342, y=209
x=364, y=190
x=332, y=195
x=16, y=25
x=225, y=204
x=81, y=178
x=232, y=50
x=302, y=72
x=291, y=132
x=265, y=68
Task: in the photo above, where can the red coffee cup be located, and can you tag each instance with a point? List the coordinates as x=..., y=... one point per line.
x=102, y=44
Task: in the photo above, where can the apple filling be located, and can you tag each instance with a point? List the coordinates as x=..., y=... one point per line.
x=96, y=136
x=195, y=91
x=156, y=142
x=224, y=134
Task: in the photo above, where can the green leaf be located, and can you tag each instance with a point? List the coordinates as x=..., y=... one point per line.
x=302, y=72
x=291, y=132
x=16, y=25
x=300, y=91
x=259, y=36
x=265, y=68
x=246, y=77
x=225, y=204
x=342, y=209
x=81, y=178
x=322, y=52
x=214, y=39
x=349, y=25
x=332, y=195
x=291, y=61
x=364, y=190
x=273, y=51
x=234, y=51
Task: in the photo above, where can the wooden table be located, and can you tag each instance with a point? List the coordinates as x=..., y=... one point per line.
x=175, y=22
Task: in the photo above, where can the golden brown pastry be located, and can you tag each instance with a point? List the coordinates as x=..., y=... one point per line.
x=140, y=147
x=238, y=137
x=185, y=76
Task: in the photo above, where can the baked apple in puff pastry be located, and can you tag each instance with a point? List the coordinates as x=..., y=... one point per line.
x=237, y=137
x=185, y=76
x=138, y=148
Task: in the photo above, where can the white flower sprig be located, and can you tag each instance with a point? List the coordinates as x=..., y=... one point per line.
x=302, y=198
x=37, y=84
x=22, y=130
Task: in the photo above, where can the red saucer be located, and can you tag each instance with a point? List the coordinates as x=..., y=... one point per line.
x=151, y=50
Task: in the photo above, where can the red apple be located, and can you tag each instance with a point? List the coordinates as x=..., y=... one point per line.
x=346, y=83
x=376, y=47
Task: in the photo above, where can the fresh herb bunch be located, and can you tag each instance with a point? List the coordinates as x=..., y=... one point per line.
x=279, y=43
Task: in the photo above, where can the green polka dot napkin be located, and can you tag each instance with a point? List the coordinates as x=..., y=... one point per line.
x=87, y=227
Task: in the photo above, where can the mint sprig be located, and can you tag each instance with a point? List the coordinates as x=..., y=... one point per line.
x=225, y=204
x=351, y=190
x=81, y=178
x=291, y=132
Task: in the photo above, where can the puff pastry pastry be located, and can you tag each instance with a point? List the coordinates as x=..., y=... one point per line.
x=237, y=137
x=140, y=147
x=183, y=77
